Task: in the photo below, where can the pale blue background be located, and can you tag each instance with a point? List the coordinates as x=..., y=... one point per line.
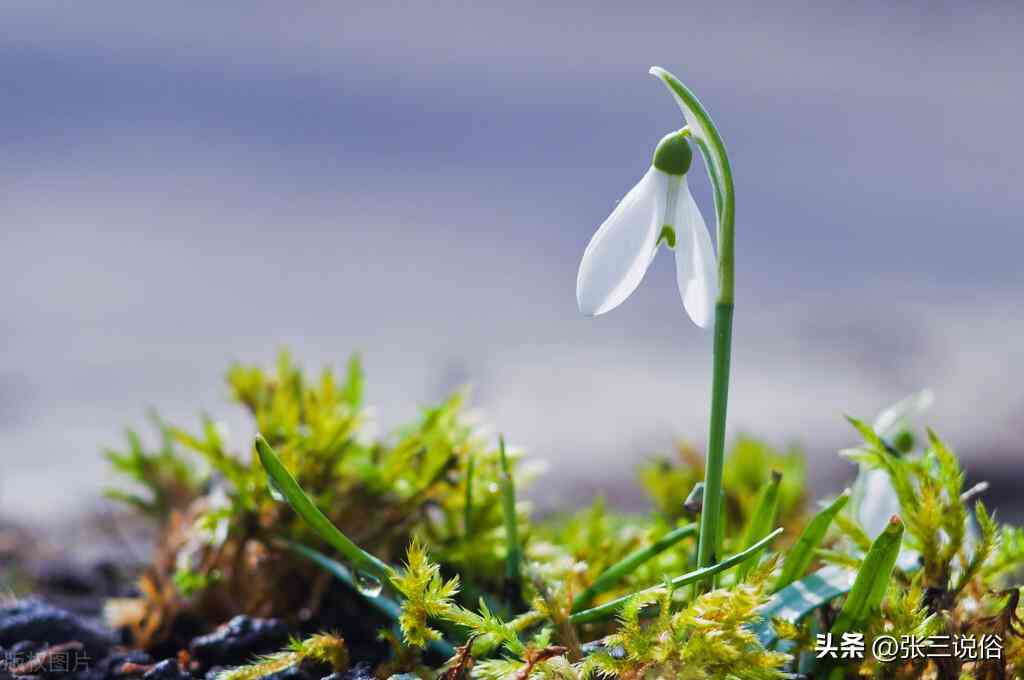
x=182, y=184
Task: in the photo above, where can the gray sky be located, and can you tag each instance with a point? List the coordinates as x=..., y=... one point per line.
x=187, y=184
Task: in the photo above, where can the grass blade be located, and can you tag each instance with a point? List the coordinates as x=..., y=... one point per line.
x=286, y=485
x=762, y=519
x=615, y=573
x=869, y=588
x=802, y=554
x=609, y=609
x=467, y=517
x=514, y=552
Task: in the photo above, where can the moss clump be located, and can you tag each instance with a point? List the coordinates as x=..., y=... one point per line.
x=220, y=551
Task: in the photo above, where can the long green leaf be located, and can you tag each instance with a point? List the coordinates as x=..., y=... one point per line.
x=628, y=564
x=801, y=554
x=382, y=604
x=609, y=609
x=869, y=588
x=304, y=506
x=762, y=519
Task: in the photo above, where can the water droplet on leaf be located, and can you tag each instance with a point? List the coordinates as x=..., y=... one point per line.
x=275, y=490
x=368, y=584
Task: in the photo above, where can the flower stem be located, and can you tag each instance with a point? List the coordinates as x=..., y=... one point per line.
x=712, y=518
x=707, y=138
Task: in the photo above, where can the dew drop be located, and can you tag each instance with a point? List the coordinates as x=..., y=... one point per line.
x=368, y=584
x=275, y=490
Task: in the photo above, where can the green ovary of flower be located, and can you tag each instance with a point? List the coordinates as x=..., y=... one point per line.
x=673, y=154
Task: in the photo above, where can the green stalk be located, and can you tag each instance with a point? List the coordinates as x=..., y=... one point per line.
x=615, y=573
x=709, y=141
x=712, y=520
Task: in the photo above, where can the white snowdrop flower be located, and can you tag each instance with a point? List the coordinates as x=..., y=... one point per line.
x=659, y=209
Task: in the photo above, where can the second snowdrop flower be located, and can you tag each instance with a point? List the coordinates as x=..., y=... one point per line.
x=659, y=209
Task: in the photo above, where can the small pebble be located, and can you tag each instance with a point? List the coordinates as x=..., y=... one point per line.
x=238, y=641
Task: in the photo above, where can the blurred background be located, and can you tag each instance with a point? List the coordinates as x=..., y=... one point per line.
x=187, y=184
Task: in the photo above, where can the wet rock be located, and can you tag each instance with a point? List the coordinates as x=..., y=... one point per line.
x=238, y=641
x=37, y=621
x=168, y=669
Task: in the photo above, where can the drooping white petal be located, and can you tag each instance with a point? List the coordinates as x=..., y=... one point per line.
x=696, y=265
x=878, y=501
x=888, y=422
x=874, y=498
x=619, y=254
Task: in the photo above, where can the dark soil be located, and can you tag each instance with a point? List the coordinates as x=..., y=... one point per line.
x=55, y=628
x=41, y=641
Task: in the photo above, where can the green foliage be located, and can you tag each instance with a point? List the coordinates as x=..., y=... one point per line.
x=940, y=586
x=587, y=545
x=930, y=491
x=414, y=479
x=170, y=481
x=464, y=572
x=709, y=638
